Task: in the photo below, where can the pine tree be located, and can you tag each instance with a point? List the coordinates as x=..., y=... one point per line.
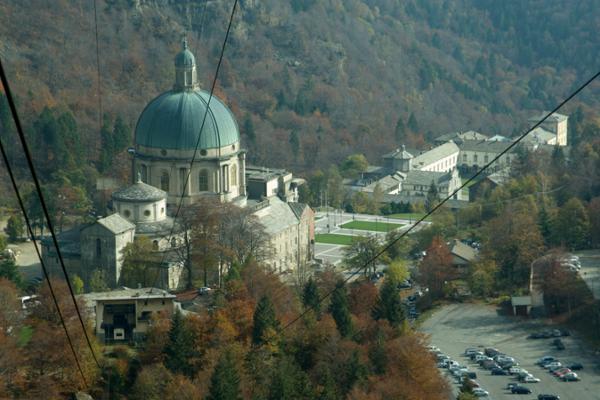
x=10, y=271
x=352, y=372
x=389, y=305
x=289, y=382
x=340, y=311
x=225, y=380
x=378, y=355
x=107, y=150
x=413, y=125
x=264, y=320
x=310, y=297
x=400, y=130
x=294, y=144
x=121, y=135
x=179, y=348
x=432, y=198
x=249, y=129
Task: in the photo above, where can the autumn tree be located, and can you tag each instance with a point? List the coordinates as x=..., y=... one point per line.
x=140, y=264
x=360, y=255
x=436, y=267
x=354, y=165
x=571, y=225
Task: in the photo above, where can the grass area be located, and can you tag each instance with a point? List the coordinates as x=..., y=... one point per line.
x=25, y=335
x=409, y=216
x=331, y=238
x=371, y=226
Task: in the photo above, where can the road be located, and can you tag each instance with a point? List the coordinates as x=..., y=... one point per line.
x=455, y=327
x=27, y=259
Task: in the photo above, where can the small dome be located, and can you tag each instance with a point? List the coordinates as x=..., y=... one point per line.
x=173, y=121
x=139, y=192
x=185, y=58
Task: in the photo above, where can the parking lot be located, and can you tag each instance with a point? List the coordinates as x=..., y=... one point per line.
x=456, y=327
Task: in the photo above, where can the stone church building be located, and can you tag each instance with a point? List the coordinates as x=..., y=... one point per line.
x=173, y=130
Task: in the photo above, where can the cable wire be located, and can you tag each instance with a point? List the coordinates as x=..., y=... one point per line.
x=98, y=88
x=37, y=250
x=187, y=178
x=38, y=188
x=446, y=199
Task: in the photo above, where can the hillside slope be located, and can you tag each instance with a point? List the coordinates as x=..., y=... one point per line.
x=319, y=79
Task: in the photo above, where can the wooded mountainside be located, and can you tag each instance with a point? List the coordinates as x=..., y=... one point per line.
x=315, y=79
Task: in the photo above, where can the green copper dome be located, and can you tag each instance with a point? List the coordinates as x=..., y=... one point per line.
x=173, y=121
x=185, y=58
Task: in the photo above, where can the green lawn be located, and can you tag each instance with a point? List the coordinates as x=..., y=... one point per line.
x=379, y=226
x=331, y=238
x=409, y=216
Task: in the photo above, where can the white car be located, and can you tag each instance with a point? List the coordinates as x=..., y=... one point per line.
x=531, y=379
x=479, y=392
x=516, y=370
x=553, y=365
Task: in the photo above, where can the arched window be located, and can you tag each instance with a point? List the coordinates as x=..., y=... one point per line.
x=98, y=248
x=203, y=181
x=155, y=245
x=234, y=175
x=164, y=181
x=144, y=173
x=173, y=242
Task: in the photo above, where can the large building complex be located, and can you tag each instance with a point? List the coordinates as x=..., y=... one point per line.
x=187, y=146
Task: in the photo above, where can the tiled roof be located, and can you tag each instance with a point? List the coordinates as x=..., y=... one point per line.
x=482, y=146
x=461, y=135
x=424, y=178
x=435, y=154
x=115, y=223
x=139, y=191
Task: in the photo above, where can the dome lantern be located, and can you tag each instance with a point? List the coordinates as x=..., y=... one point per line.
x=185, y=69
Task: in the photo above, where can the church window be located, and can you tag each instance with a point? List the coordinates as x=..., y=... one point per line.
x=234, y=175
x=203, y=152
x=162, y=211
x=164, y=181
x=464, y=158
x=203, y=180
x=98, y=248
x=144, y=172
x=147, y=213
x=155, y=245
x=127, y=213
x=485, y=158
x=474, y=157
x=173, y=242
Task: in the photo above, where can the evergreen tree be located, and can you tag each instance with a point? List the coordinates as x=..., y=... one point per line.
x=389, y=305
x=98, y=281
x=121, y=135
x=413, y=125
x=225, y=380
x=378, y=355
x=330, y=390
x=107, y=150
x=545, y=224
x=179, y=348
x=572, y=225
x=10, y=271
x=265, y=320
x=400, y=130
x=310, y=297
x=432, y=198
x=233, y=273
x=15, y=228
x=294, y=144
x=340, y=310
x=289, y=382
x=249, y=129
x=352, y=372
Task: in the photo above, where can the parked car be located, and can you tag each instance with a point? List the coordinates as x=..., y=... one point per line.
x=470, y=374
x=491, y=352
x=531, y=379
x=471, y=350
x=574, y=366
x=515, y=370
x=559, y=373
x=511, y=385
x=559, y=344
x=571, y=376
x=520, y=390
x=499, y=371
x=548, y=397
x=479, y=392
x=545, y=359
x=204, y=290
x=552, y=365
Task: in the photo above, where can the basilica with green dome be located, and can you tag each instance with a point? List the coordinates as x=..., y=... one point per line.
x=174, y=126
